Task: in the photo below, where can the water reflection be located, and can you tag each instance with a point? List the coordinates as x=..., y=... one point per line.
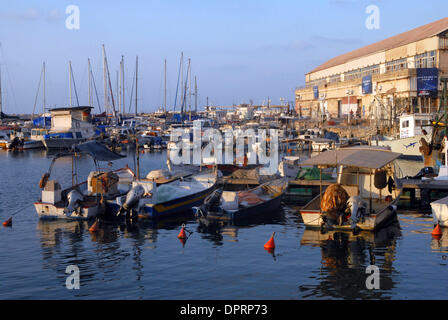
x=112, y=254
x=344, y=258
x=217, y=231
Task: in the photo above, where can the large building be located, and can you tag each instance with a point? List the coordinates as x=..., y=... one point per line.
x=397, y=75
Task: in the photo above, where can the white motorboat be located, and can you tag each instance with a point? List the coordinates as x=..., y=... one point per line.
x=149, y=200
x=289, y=167
x=413, y=128
x=83, y=200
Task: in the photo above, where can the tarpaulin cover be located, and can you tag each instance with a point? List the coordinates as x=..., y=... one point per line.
x=97, y=150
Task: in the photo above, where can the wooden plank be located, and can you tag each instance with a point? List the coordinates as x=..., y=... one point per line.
x=424, y=184
x=310, y=182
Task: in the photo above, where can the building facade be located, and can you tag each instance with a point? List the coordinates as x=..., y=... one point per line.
x=398, y=75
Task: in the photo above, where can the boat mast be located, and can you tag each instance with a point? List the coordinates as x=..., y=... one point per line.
x=122, y=84
x=70, y=81
x=120, y=97
x=90, y=82
x=43, y=102
x=189, y=87
x=195, y=95
x=164, y=100
x=106, y=108
x=136, y=77
x=1, y=103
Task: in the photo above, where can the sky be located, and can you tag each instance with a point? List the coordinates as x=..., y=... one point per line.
x=241, y=51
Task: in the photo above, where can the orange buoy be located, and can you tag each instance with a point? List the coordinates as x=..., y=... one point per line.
x=270, y=245
x=289, y=150
x=437, y=232
x=94, y=227
x=183, y=241
x=8, y=222
x=182, y=234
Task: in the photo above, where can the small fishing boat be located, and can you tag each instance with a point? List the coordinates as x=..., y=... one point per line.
x=289, y=167
x=83, y=200
x=234, y=205
x=365, y=193
x=149, y=200
x=439, y=210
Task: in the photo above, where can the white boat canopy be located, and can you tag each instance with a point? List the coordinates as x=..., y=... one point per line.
x=360, y=157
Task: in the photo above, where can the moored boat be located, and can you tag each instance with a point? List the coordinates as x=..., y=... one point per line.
x=234, y=205
x=149, y=200
x=83, y=200
x=365, y=194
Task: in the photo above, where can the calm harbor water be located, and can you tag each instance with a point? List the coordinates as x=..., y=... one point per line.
x=147, y=261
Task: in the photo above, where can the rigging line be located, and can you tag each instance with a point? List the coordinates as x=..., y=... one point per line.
x=37, y=94
x=9, y=76
x=96, y=92
x=177, y=87
x=132, y=93
x=74, y=85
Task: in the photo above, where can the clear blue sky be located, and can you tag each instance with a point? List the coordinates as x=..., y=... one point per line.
x=240, y=50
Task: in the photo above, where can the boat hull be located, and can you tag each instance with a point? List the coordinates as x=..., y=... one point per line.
x=439, y=210
x=33, y=144
x=50, y=211
x=312, y=218
x=408, y=147
x=61, y=143
x=263, y=208
x=175, y=206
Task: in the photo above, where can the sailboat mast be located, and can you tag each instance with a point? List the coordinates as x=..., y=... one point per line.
x=117, y=88
x=164, y=100
x=43, y=94
x=70, y=81
x=136, y=77
x=122, y=84
x=195, y=95
x=189, y=86
x=106, y=108
x=1, y=102
x=90, y=82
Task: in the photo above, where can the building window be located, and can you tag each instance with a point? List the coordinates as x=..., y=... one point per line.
x=396, y=65
x=426, y=60
x=335, y=78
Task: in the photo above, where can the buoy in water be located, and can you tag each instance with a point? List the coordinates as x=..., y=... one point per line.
x=437, y=232
x=94, y=227
x=8, y=222
x=270, y=245
x=182, y=234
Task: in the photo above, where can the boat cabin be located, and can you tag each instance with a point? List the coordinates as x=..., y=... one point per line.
x=362, y=171
x=412, y=124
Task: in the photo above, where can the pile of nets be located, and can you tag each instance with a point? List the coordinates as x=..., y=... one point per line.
x=334, y=201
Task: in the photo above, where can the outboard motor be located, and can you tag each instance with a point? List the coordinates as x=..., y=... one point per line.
x=423, y=172
x=74, y=202
x=132, y=199
x=356, y=207
x=211, y=202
